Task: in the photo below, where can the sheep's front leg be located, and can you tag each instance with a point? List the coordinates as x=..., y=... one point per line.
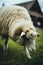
x=27, y=53
x=5, y=45
x=32, y=46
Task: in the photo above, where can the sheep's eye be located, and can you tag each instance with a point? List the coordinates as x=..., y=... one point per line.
x=16, y=33
x=31, y=29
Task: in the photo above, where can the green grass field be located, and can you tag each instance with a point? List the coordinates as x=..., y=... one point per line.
x=16, y=53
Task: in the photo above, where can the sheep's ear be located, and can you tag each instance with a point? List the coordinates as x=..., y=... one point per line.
x=23, y=33
x=38, y=34
x=18, y=31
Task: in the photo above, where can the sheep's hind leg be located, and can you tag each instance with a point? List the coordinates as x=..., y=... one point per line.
x=5, y=45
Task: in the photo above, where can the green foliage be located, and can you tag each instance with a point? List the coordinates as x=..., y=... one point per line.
x=16, y=53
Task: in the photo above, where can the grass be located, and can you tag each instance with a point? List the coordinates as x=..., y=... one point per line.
x=16, y=53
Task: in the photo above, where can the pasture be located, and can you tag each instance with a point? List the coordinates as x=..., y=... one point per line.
x=16, y=53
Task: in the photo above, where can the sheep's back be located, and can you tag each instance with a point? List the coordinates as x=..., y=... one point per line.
x=8, y=14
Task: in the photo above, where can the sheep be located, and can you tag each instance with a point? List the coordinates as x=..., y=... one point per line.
x=16, y=23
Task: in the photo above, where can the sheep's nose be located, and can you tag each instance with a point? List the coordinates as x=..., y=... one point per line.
x=38, y=35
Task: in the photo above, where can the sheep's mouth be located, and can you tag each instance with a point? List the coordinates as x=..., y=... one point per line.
x=25, y=40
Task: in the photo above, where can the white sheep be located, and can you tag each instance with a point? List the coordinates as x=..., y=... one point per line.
x=16, y=23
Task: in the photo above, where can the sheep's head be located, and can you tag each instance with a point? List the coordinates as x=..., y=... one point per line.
x=31, y=35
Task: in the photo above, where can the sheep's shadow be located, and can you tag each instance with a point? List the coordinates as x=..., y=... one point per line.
x=12, y=57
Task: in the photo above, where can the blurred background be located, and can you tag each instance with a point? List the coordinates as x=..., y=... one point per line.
x=35, y=8
x=16, y=53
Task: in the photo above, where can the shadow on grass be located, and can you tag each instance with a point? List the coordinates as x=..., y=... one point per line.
x=12, y=58
x=15, y=57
